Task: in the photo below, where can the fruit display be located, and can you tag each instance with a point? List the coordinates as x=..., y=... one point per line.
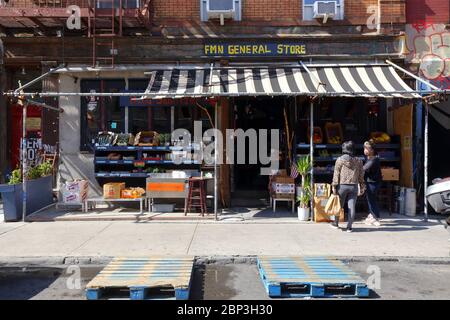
x=334, y=133
x=335, y=140
x=380, y=137
x=147, y=138
x=317, y=135
x=324, y=154
x=132, y=193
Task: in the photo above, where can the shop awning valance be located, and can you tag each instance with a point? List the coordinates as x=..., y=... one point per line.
x=322, y=80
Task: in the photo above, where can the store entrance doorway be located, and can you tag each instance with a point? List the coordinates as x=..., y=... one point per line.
x=255, y=113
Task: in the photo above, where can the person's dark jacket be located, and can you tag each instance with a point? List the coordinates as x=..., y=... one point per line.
x=372, y=170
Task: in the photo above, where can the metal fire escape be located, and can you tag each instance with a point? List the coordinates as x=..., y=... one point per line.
x=105, y=24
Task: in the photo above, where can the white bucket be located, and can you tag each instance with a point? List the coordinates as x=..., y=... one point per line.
x=410, y=202
x=303, y=214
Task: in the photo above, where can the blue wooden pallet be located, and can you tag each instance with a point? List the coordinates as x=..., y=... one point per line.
x=143, y=278
x=309, y=277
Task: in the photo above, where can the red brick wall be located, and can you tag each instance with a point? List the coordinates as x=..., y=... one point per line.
x=393, y=11
x=436, y=11
x=176, y=9
x=271, y=10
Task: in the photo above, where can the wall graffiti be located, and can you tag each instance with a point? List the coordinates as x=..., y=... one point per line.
x=428, y=47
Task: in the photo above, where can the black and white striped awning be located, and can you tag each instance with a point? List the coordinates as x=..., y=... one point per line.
x=323, y=80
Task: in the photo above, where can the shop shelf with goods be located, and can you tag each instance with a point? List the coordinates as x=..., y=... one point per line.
x=339, y=120
x=134, y=163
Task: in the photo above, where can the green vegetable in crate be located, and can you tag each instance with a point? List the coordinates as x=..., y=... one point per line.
x=122, y=139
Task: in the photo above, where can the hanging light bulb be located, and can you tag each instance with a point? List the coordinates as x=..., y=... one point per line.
x=23, y=72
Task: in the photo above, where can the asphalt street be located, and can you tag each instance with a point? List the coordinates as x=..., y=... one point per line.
x=398, y=280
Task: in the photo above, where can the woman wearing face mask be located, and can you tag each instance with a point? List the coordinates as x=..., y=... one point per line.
x=373, y=178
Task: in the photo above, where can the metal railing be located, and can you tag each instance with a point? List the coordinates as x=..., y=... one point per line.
x=43, y=3
x=126, y=4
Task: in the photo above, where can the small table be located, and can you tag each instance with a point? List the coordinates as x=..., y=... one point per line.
x=101, y=199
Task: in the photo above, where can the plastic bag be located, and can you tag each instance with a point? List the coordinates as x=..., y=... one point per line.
x=333, y=206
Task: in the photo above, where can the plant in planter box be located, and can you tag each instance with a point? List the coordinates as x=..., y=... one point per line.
x=304, y=198
x=39, y=191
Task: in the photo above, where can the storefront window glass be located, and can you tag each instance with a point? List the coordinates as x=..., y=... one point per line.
x=100, y=113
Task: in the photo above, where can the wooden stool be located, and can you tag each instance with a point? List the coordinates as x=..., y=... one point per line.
x=196, y=196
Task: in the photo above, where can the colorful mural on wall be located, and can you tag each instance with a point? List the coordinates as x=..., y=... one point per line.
x=428, y=47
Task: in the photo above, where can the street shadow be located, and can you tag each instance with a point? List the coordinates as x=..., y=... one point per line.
x=198, y=283
x=15, y=284
x=280, y=213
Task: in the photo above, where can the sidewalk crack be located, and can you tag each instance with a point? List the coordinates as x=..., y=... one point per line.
x=192, y=238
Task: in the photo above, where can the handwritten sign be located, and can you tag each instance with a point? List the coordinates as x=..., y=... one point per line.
x=254, y=49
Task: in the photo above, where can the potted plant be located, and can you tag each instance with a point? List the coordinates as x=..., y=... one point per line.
x=304, y=196
x=39, y=191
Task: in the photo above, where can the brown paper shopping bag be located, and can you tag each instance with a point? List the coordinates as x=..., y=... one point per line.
x=333, y=206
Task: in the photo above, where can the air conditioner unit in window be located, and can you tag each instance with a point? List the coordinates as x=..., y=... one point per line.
x=325, y=10
x=220, y=9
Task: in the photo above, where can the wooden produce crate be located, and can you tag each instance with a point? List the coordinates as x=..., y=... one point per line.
x=390, y=174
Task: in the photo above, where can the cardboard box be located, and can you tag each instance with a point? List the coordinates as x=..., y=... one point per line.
x=113, y=190
x=75, y=191
x=390, y=174
x=283, y=180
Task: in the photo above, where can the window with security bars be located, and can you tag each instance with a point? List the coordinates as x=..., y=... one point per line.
x=334, y=8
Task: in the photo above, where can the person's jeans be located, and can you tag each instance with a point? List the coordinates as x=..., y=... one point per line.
x=348, y=193
x=371, y=195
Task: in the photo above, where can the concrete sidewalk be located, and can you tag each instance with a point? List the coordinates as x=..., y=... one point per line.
x=399, y=236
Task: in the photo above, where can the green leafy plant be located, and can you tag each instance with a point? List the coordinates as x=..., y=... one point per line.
x=305, y=197
x=16, y=177
x=304, y=169
x=36, y=172
x=46, y=168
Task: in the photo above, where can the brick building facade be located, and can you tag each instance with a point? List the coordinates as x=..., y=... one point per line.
x=171, y=32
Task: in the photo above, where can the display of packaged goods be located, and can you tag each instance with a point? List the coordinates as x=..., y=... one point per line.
x=113, y=190
x=75, y=191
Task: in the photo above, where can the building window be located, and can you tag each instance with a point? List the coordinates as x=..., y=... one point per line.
x=310, y=9
x=220, y=9
x=100, y=113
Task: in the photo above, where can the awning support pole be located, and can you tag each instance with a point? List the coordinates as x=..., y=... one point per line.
x=215, y=166
x=425, y=162
x=311, y=155
x=413, y=76
x=24, y=159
